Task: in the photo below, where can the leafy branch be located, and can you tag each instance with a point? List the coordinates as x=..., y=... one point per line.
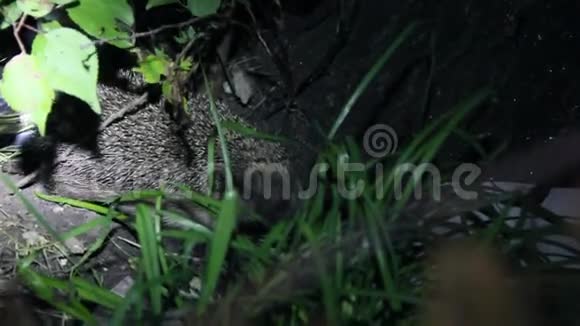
x=60, y=54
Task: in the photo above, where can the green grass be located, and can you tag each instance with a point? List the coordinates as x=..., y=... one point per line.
x=342, y=261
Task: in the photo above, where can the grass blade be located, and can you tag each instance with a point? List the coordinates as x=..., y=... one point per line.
x=369, y=77
x=149, y=254
x=219, y=247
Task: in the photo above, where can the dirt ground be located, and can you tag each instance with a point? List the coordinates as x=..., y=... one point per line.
x=527, y=50
x=21, y=233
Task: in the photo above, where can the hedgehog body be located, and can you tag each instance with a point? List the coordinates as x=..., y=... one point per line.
x=146, y=149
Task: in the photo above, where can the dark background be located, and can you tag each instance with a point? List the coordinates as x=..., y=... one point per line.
x=526, y=50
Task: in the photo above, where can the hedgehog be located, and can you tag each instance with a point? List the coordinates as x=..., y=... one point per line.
x=146, y=148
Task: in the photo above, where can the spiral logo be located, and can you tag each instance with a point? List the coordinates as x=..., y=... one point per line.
x=380, y=140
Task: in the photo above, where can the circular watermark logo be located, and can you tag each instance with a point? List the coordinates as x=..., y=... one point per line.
x=380, y=140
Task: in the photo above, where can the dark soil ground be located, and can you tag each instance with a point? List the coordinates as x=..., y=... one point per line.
x=527, y=50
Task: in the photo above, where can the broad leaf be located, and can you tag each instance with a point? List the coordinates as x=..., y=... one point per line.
x=153, y=66
x=10, y=14
x=35, y=8
x=69, y=61
x=26, y=89
x=203, y=8
x=111, y=20
x=49, y=25
x=157, y=3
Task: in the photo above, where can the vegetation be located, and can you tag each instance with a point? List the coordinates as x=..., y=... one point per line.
x=336, y=261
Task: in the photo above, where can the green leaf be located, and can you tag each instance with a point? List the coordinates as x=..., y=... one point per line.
x=219, y=246
x=44, y=287
x=69, y=61
x=221, y=136
x=49, y=25
x=10, y=14
x=186, y=35
x=203, y=8
x=96, y=294
x=149, y=255
x=111, y=20
x=154, y=66
x=157, y=3
x=185, y=64
x=35, y=8
x=81, y=204
x=167, y=88
x=27, y=90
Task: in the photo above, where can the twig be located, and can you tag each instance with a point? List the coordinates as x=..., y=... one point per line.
x=36, y=30
x=123, y=111
x=17, y=29
x=180, y=57
x=151, y=32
